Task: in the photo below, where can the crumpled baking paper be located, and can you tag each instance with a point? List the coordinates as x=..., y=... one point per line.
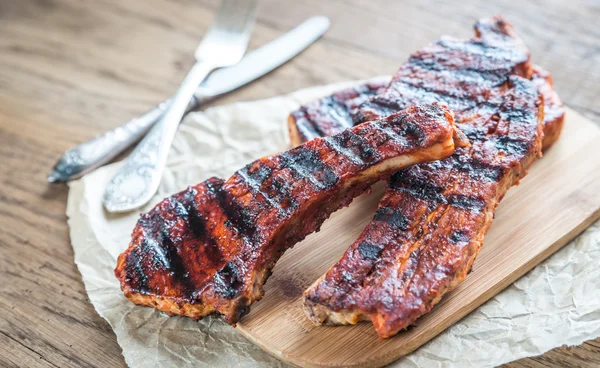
x=556, y=303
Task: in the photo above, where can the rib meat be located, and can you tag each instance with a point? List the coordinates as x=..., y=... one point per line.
x=332, y=114
x=210, y=248
x=430, y=224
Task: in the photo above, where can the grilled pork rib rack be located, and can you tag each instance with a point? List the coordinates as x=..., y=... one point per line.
x=430, y=224
x=332, y=114
x=210, y=248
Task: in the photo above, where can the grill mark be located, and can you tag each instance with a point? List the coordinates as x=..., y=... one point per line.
x=429, y=63
x=480, y=48
x=387, y=104
x=466, y=202
x=307, y=164
x=153, y=246
x=392, y=217
x=287, y=201
x=353, y=147
x=177, y=269
x=390, y=134
x=477, y=169
x=420, y=189
x=423, y=246
x=180, y=208
x=197, y=225
x=255, y=181
x=158, y=244
x=512, y=146
x=374, y=106
x=135, y=268
x=517, y=116
x=461, y=98
x=185, y=207
x=459, y=236
x=462, y=82
x=337, y=111
x=462, y=105
x=428, y=95
x=338, y=107
x=307, y=127
x=473, y=133
x=236, y=214
x=368, y=89
x=336, y=146
x=369, y=251
x=412, y=130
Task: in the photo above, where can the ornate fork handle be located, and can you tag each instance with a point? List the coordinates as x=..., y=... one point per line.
x=99, y=150
x=137, y=181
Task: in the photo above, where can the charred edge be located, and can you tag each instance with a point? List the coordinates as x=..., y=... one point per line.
x=307, y=165
x=242, y=307
x=466, y=202
x=369, y=251
x=228, y=281
x=312, y=295
x=392, y=217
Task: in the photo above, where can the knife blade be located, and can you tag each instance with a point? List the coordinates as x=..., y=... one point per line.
x=99, y=150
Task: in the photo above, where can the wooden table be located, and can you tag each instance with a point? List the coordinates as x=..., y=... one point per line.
x=71, y=69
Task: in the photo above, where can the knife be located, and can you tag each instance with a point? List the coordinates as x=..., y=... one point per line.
x=99, y=150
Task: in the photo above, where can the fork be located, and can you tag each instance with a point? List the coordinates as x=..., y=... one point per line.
x=225, y=43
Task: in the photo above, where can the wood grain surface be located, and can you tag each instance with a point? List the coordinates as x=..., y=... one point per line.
x=71, y=69
x=558, y=199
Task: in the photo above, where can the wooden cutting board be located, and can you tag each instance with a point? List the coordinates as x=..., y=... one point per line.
x=556, y=201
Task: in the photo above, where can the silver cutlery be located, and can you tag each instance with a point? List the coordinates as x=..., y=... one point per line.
x=93, y=153
x=224, y=45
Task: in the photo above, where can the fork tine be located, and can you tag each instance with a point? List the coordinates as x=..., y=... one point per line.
x=235, y=15
x=229, y=34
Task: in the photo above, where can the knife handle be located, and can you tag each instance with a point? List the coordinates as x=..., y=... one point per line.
x=93, y=153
